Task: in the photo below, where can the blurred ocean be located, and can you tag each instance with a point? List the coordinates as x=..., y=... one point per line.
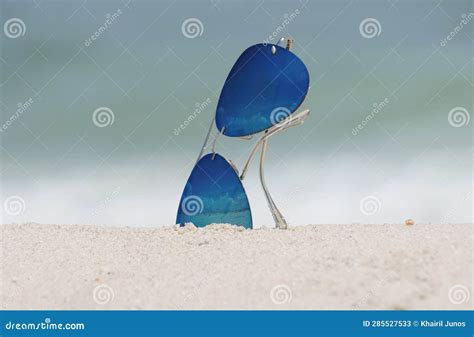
x=96, y=99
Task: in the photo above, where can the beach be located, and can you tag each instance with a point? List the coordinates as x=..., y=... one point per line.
x=389, y=266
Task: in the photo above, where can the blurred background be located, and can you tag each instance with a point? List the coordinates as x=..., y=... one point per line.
x=105, y=105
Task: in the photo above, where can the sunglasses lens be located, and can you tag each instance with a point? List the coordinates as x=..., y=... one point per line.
x=266, y=85
x=214, y=194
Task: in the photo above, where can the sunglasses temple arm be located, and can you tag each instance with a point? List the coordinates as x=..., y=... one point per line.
x=206, y=140
x=267, y=135
x=280, y=221
x=252, y=154
x=296, y=120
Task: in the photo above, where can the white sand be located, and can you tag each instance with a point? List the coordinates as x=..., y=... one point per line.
x=222, y=267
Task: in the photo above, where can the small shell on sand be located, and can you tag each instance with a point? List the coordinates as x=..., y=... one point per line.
x=409, y=222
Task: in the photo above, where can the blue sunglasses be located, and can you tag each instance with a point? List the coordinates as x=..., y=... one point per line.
x=263, y=90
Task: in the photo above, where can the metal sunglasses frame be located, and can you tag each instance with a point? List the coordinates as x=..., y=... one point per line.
x=292, y=120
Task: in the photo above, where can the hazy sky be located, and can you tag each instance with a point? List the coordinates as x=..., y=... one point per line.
x=93, y=93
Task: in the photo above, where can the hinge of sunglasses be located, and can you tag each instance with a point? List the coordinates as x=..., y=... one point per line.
x=289, y=42
x=293, y=120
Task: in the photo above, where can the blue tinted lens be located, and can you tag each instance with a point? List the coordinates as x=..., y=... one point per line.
x=261, y=90
x=214, y=194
